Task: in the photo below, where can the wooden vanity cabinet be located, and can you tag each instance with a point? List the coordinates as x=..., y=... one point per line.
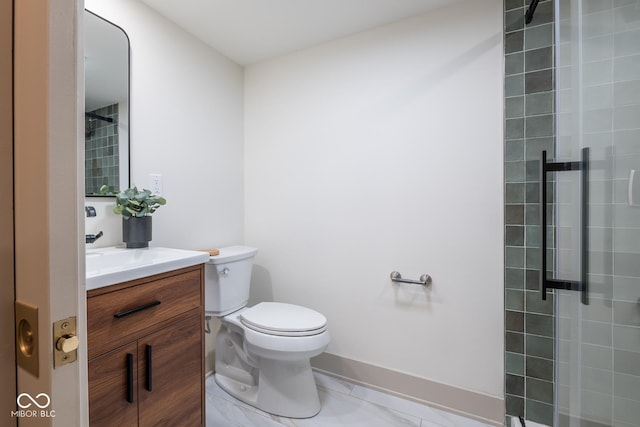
x=146, y=351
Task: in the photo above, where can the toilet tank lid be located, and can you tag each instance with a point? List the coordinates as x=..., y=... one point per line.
x=233, y=253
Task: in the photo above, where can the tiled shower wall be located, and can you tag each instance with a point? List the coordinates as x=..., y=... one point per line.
x=529, y=129
x=101, y=150
x=607, y=355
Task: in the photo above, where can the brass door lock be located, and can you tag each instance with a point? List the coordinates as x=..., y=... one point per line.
x=65, y=342
x=27, y=337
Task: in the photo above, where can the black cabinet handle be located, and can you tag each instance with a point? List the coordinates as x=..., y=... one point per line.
x=136, y=309
x=572, y=285
x=129, y=377
x=149, y=367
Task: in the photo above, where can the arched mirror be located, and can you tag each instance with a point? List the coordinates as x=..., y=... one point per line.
x=107, y=120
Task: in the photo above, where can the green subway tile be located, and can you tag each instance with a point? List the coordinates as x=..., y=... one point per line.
x=596, y=356
x=514, y=20
x=532, y=236
x=532, y=170
x=514, y=342
x=514, y=385
x=538, y=59
x=539, y=412
x=514, y=363
x=539, y=126
x=515, y=193
x=626, y=313
x=535, y=304
x=627, y=264
x=513, y=4
x=514, y=257
x=514, y=107
x=594, y=6
x=626, y=362
x=537, y=37
x=599, y=310
x=539, y=390
x=514, y=278
x=532, y=194
x=514, y=42
x=532, y=280
x=539, y=346
x=514, y=405
x=514, y=299
x=514, y=64
x=532, y=214
x=625, y=386
x=539, y=103
x=514, y=150
x=532, y=258
x=538, y=81
x=515, y=128
x=539, y=324
x=597, y=333
x=530, y=116
x=514, y=321
x=514, y=171
x=514, y=214
x=597, y=380
x=514, y=85
x=514, y=236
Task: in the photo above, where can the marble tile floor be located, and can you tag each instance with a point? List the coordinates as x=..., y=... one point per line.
x=343, y=404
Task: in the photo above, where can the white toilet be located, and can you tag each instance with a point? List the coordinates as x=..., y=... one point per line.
x=262, y=353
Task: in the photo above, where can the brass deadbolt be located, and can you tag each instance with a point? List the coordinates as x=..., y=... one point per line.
x=67, y=343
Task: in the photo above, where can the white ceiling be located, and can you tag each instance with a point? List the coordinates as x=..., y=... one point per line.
x=249, y=31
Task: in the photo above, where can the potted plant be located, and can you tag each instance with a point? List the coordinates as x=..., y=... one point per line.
x=136, y=207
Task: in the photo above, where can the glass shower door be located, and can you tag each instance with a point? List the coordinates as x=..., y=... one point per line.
x=595, y=213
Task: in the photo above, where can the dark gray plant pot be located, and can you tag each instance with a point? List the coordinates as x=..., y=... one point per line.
x=136, y=232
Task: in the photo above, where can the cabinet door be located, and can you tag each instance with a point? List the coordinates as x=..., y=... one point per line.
x=113, y=396
x=171, y=374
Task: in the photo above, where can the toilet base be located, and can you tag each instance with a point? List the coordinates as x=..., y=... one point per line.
x=285, y=388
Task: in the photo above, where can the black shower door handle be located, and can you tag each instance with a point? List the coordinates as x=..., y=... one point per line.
x=572, y=285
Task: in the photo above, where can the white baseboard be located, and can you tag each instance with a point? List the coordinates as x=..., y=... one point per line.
x=479, y=406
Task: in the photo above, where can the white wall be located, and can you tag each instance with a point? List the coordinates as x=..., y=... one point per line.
x=381, y=152
x=186, y=124
x=373, y=153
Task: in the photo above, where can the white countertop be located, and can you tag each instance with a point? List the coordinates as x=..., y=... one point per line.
x=116, y=264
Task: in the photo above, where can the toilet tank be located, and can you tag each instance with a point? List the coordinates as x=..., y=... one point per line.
x=227, y=280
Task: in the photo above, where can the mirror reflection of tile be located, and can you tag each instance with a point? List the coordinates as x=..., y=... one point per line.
x=101, y=149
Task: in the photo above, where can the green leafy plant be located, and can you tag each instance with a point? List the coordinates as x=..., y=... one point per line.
x=133, y=202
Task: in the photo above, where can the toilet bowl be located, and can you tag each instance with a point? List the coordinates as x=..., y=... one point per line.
x=262, y=353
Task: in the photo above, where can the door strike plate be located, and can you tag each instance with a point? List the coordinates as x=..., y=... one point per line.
x=65, y=342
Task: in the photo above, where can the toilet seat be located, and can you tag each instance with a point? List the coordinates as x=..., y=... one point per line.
x=287, y=320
